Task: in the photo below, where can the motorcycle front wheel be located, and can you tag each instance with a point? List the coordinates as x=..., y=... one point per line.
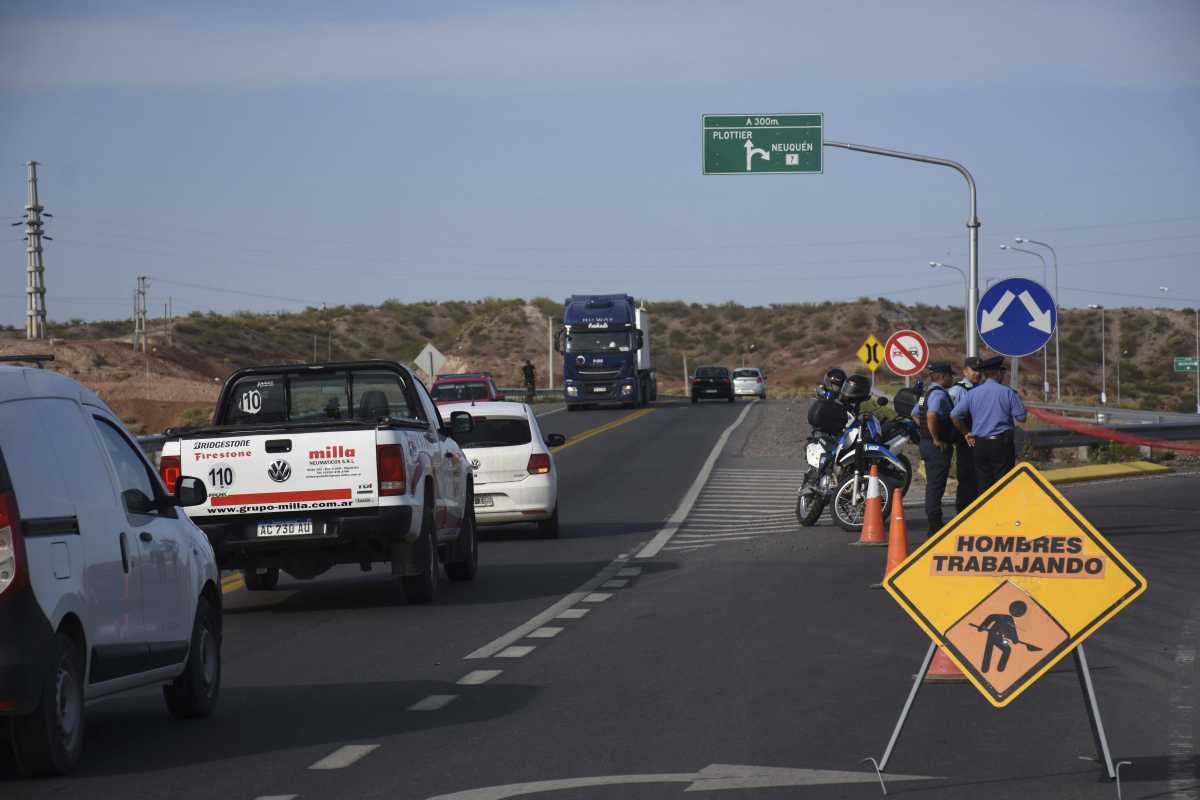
x=848, y=514
x=809, y=504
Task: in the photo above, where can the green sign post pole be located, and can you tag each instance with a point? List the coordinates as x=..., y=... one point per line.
x=757, y=144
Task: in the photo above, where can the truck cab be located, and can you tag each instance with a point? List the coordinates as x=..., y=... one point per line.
x=605, y=343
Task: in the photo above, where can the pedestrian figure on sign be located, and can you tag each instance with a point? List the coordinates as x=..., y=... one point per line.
x=530, y=377
x=1001, y=630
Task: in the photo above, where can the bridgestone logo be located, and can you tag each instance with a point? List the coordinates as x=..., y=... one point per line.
x=220, y=444
x=1045, y=556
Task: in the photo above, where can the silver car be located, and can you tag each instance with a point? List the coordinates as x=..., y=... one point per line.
x=749, y=381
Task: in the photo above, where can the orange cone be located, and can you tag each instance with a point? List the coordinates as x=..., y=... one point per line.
x=872, y=531
x=897, y=537
x=942, y=669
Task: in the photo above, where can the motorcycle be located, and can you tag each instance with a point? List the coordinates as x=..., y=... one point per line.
x=839, y=464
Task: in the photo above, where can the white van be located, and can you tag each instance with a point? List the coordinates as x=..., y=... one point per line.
x=105, y=585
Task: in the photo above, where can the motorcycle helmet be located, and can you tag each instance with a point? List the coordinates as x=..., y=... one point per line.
x=833, y=380
x=856, y=389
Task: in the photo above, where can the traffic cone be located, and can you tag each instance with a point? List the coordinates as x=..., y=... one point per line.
x=943, y=670
x=872, y=530
x=897, y=537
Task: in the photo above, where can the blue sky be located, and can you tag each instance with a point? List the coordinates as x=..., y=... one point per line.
x=296, y=153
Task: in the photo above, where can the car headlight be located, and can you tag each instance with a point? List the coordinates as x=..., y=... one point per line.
x=572, y=391
x=627, y=389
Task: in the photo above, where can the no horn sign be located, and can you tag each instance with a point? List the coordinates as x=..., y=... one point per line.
x=906, y=353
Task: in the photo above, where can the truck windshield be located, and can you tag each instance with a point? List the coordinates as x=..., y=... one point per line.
x=366, y=395
x=615, y=342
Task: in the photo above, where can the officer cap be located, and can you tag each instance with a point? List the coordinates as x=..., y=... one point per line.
x=942, y=367
x=973, y=362
x=993, y=363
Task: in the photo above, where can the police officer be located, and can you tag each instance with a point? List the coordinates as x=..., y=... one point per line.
x=932, y=414
x=994, y=410
x=964, y=459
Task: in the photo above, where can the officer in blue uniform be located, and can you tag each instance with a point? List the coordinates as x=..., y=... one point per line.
x=932, y=415
x=994, y=409
x=964, y=458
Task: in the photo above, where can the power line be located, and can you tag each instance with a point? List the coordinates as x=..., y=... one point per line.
x=236, y=292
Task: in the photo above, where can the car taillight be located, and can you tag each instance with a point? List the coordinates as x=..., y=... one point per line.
x=758, y=380
x=539, y=464
x=695, y=380
x=169, y=469
x=724, y=380
x=13, y=567
x=389, y=459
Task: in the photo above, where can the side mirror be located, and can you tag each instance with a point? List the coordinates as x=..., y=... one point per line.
x=461, y=422
x=190, y=492
x=881, y=401
x=555, y=440
x=639, y=340
x=559, y=336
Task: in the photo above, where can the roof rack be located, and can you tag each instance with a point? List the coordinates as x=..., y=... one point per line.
x=38, y=359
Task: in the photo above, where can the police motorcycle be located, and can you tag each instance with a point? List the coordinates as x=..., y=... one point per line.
x=844, y=443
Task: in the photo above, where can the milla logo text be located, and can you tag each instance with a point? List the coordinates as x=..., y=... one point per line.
x=279, y=471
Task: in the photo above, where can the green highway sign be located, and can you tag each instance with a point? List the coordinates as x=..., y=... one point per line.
x=1187, y=364
x=746, y=144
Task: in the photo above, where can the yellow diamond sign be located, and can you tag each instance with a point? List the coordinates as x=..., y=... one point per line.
x=871, y=353
x=1013, y=583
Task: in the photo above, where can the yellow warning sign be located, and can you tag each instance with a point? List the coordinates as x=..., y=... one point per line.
x=871, y=353
x=1013, y=583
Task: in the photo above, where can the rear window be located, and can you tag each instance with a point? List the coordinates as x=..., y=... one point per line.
x=496, y=432
x=365, y=395
x=712, y=372
x=460, y=392
x=745, y=373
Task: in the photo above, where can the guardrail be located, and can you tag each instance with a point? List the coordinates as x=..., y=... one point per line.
x=1111, y=413
x=1061, y=437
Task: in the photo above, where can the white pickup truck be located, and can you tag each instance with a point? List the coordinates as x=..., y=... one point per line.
x=308, y=466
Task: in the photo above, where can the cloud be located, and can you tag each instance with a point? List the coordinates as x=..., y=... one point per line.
x=852, y=46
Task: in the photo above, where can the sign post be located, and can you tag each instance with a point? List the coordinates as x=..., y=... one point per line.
x=744, y=144
x=1011, y=586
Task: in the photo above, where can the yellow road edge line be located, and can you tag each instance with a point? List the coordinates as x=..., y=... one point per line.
x=228, y=586
x=1093, y=472
x=608, y=426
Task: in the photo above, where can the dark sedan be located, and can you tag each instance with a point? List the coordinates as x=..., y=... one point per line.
x=712, y=383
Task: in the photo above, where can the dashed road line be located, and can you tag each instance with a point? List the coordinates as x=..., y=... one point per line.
x=573, y=613
x=277, y=797
x=615, y=583
x=629, y=572
x=479, y=677
x=433, y=702
x=545, y=633
x=597, y=597
x=516, y=651
x=344, y=756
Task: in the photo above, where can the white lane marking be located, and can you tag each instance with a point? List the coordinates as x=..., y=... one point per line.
x=344, y=756
x=615, y=583
x=736, y=538
x=433, y=702
x=573, y=613
x=629, y=572
x=685, y=506
x=504, y=640
x=545, y=633
x=685, y=548
x=516, y=651
x=597, y=597
x=479, y=676
x=277, y=797
x=551, y=411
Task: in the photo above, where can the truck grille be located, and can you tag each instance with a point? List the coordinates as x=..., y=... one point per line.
x=599, y=374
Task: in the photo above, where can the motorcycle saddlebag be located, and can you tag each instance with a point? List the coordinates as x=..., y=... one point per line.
x=827, y=416
x=905, y=401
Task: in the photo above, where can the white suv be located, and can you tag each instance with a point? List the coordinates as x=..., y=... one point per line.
x=105, y=585
x=749, y=381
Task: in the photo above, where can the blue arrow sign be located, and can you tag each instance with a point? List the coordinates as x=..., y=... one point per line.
x=1016, y=317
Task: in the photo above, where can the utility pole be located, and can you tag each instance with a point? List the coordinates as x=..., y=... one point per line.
x=171, y=321
x=35, y=269
x=140, y=314
x=549, y=353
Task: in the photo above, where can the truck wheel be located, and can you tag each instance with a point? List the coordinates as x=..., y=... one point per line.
x=194, y=693
x=548, y=528
x=732, y=398
x=695, y=399
x=422, y=588
x=261, y=580
x=50, y=740
x=466, y=548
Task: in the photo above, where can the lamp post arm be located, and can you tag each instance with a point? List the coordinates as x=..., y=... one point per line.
x=972, y=226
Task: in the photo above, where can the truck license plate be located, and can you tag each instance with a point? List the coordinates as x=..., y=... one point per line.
x=599, y=389
x=286, y=527
x=483, y=500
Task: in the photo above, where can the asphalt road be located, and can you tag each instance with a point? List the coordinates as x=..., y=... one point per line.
x=744, y=641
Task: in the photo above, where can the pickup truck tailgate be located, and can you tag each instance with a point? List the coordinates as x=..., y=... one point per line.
x=265, y=473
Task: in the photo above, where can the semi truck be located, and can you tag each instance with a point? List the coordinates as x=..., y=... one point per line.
x=605, y=344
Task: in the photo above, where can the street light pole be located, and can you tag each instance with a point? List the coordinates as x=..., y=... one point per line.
x=1045, y=349
x=1057, y=361
x=972, y=227
x=1103, y=364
